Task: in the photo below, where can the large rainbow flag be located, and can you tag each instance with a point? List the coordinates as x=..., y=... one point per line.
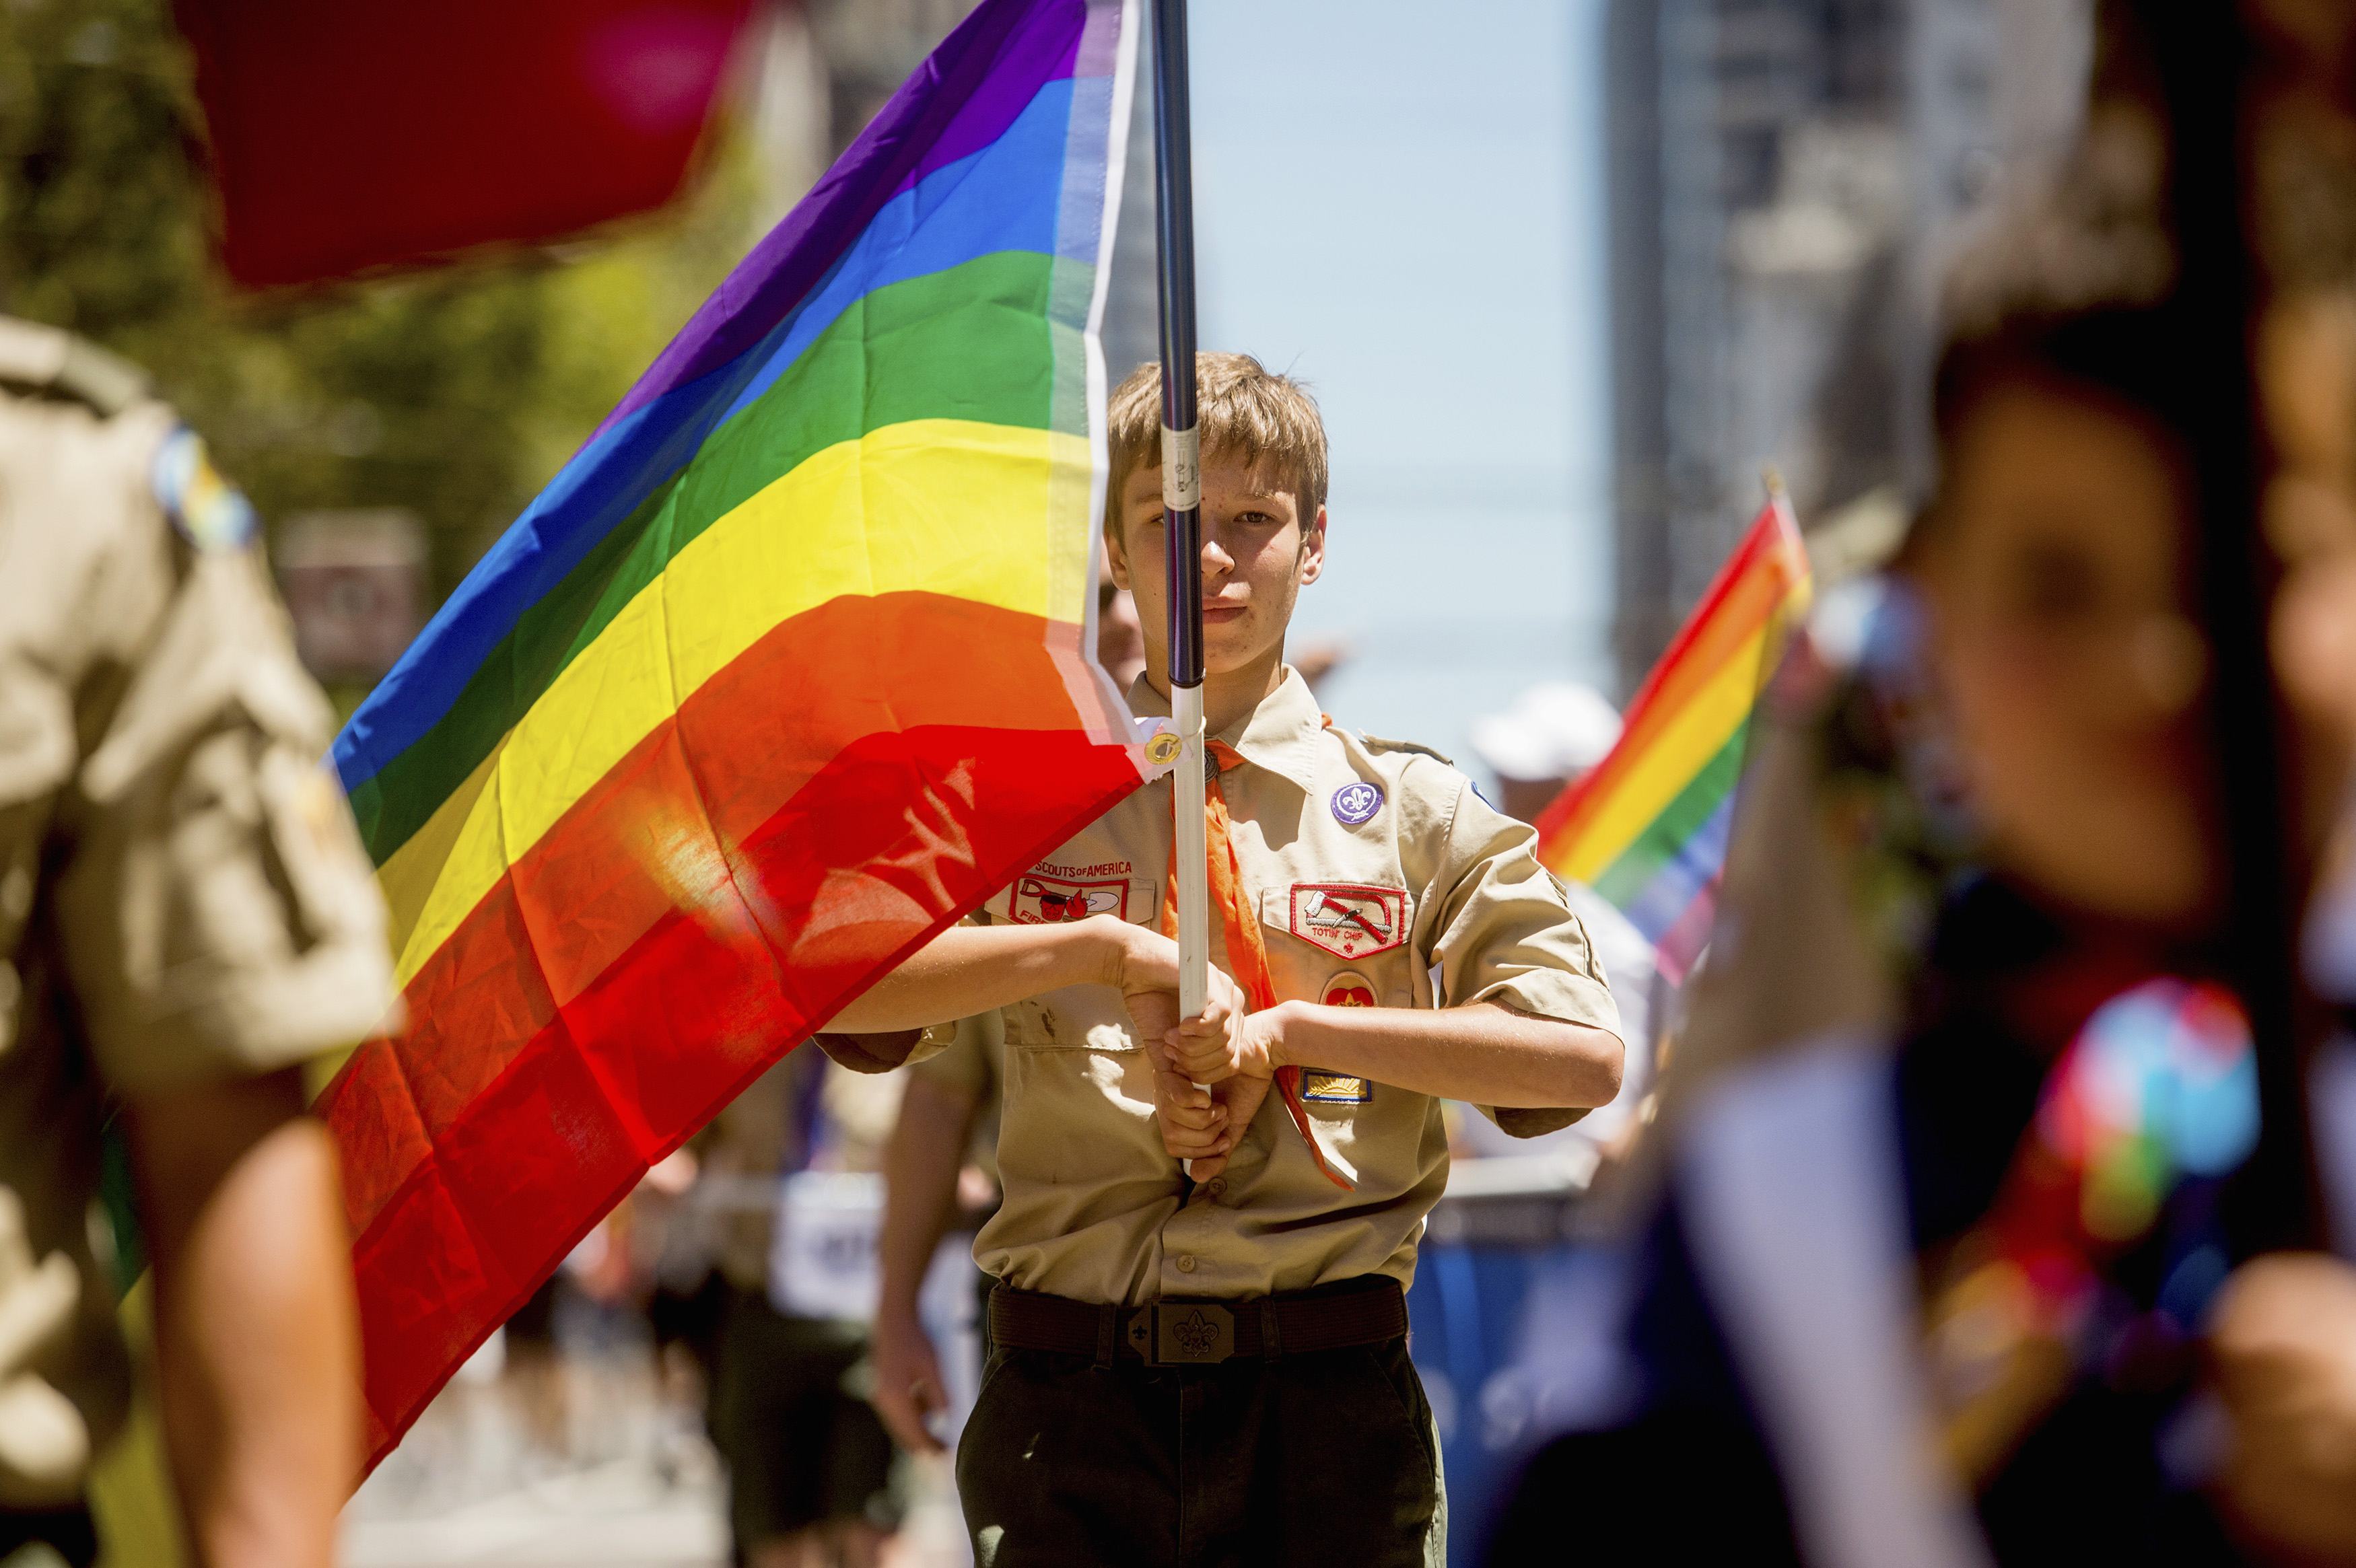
x=786, y=669
x=1647, y=829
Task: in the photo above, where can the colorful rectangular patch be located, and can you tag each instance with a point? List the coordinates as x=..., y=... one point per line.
x=1348, y=920
x=1334, y=1088
x=1045, y=901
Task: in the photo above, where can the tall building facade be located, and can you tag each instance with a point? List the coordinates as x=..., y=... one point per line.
x=1788, y=178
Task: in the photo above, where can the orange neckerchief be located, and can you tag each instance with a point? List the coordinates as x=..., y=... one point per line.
x=1246, y=953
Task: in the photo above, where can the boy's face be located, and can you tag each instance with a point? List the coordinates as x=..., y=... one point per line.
x=1257, y=554
x=2059, y=593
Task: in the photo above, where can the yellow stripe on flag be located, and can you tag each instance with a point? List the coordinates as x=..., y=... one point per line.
x=1696, y=733
x=944, y=507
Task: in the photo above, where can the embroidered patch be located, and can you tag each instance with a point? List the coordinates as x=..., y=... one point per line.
x=1334, y=1088
x=207, y=509
x=1356, y=804
x=1347, y=920
x=1349, y=990
x=1094, y=871
x=1044, y=900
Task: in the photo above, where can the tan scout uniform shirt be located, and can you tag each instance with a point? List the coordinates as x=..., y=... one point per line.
x=1380, y=879
x=183, y=897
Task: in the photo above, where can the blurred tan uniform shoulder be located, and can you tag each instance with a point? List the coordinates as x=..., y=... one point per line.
x=183, y=897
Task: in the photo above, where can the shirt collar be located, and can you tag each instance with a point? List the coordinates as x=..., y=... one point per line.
x=1279, y=735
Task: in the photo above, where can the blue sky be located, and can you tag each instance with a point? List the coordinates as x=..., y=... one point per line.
x=1403, y=204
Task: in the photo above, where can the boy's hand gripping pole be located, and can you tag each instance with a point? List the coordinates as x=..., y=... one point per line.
x=1182, y=492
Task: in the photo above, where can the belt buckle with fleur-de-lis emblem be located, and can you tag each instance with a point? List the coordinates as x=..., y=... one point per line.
x=1193, y=1333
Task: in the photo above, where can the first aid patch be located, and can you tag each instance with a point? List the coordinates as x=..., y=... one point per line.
x=1348, y=920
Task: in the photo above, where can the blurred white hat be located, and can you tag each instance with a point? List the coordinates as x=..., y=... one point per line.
x=1555, y=730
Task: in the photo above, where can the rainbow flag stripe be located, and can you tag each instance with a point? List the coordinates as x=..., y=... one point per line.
x=785, y=671
x=1647, y=829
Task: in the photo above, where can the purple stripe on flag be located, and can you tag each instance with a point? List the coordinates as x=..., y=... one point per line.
x=1682, y=943
x=982, y=76
x=1100, y=47
x=1691, y=871
x=1038, y=54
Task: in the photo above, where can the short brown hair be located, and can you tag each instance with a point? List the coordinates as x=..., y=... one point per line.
x=1244, y=411
x=2071, y=290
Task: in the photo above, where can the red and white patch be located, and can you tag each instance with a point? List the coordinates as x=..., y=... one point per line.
x=1349, y=921
x=1349, y=990
x=1045, y=901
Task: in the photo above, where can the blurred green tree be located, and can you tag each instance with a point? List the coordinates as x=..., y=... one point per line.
x=454, y=392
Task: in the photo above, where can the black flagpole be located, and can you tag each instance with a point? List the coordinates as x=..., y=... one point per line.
x=1182, y=486
x=2204, y=56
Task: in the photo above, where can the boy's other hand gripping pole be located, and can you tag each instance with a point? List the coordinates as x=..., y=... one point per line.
x=1181, y=493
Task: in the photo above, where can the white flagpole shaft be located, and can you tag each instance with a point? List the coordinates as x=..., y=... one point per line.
x=1194, y=892
x=1182, y=490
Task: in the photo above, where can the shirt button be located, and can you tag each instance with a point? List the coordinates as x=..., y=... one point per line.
x=1217, y=1187
x=1186, y=1262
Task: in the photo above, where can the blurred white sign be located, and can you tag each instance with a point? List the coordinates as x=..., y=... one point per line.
x=823, y=1262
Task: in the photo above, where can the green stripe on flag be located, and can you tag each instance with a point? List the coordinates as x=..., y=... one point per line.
x=1669, y=832
x=971, y=343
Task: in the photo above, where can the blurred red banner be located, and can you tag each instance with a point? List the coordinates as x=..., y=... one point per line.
x=367, y=134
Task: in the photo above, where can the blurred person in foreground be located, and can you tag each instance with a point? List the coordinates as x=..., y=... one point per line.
x=1971, y=1297
x=187, y=919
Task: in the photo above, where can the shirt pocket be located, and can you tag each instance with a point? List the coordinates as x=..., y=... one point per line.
x=1072, y=1053
x=1341, y=943
x=1079, y=1018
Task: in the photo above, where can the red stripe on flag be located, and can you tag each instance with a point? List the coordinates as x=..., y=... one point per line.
x=641, y=840
x=636, y=970
x=1754, y=584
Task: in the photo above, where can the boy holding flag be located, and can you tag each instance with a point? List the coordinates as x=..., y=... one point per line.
x=1206, y=1361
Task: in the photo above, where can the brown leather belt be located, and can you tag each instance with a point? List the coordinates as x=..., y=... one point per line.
x=1191, y=1333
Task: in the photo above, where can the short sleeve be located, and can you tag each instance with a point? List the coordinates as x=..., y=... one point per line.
x=885, y=1052
x=218, y=915
x=1505, y=933
x=1504, y=930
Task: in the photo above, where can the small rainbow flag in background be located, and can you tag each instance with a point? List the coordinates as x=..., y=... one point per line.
x=786, y=669
x=1647, y=829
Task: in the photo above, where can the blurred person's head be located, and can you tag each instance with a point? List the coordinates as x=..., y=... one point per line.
x=2059, y=396
x=1553, y=734
x=1263, y=476
x=2056, y=562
